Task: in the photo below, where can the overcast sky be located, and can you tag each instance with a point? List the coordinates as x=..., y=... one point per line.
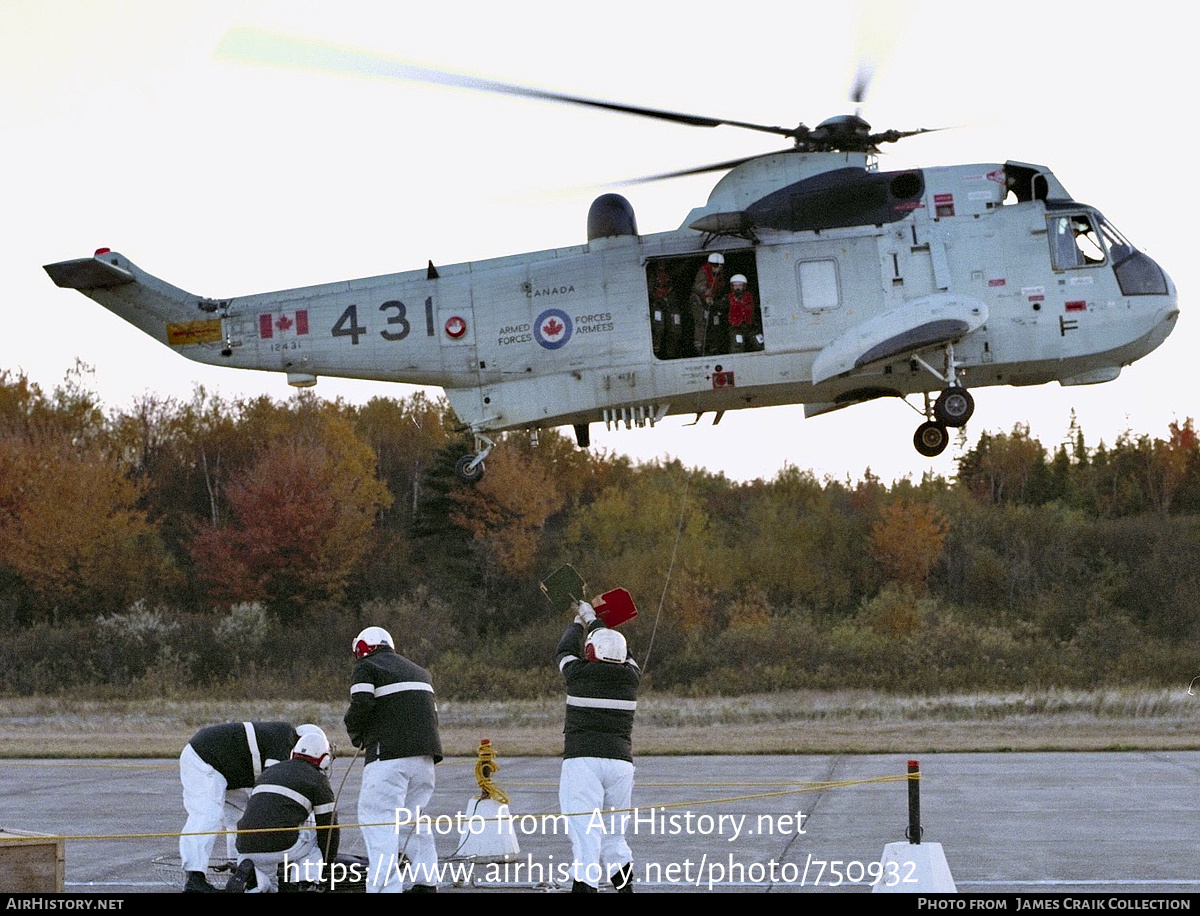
x=121, y=127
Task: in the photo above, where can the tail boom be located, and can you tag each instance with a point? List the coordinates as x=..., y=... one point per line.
x=167, y=313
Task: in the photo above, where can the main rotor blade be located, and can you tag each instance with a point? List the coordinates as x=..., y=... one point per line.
x=891, y=136
x=862, y=82
x=255, y=45
x=880, y=25
x=698, y=170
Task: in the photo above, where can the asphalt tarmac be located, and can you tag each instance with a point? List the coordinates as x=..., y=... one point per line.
x=1020, y=823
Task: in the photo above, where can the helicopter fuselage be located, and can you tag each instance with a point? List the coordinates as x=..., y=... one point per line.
x=968, y=276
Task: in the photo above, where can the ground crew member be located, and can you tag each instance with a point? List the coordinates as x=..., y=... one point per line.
x=219, y=760
x=289, y=801
x=392, y=716
x=596, y=785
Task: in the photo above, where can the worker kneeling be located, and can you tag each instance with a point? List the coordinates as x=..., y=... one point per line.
x=290, y=800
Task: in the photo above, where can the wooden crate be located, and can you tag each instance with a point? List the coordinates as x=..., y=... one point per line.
x=31, y=863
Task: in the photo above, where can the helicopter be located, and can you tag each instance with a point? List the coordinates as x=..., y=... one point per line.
x=808, y=277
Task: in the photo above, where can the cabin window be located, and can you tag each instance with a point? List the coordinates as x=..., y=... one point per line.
x=697, y=310
x=818, y=282
x=1074, y=242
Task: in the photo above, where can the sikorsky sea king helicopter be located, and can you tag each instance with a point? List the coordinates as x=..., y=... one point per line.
x=809, y=277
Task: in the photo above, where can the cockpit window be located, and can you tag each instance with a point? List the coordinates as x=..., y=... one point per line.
x=1074, y=242
x=1087, y=239
x=1137, y=274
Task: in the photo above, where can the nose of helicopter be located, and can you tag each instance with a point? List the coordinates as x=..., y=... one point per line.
x=1165, y=314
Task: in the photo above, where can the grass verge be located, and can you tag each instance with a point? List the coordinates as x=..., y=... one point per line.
x=798, y=722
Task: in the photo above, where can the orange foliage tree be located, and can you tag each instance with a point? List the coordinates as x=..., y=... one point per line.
x=907, y=539
x=505, y=512
x=300, y=519
x=69, y=527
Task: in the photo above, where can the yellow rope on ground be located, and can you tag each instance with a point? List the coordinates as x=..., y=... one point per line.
x=485, y=766
x=805, y=787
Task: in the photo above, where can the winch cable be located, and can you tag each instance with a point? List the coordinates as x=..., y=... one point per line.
x=670, y=567
x=337, y=798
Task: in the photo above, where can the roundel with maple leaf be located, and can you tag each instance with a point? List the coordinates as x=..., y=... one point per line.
x=552, y=328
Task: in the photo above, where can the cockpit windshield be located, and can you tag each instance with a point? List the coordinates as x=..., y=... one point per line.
x=1137, y=273
x=1087, y=239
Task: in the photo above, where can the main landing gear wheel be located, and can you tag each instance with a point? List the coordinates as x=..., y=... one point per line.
x=931, y=438
x=953, y=407
x=466, y=473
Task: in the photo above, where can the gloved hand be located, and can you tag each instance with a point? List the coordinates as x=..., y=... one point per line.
x=584, y=612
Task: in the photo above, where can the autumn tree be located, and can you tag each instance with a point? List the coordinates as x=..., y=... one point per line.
x=1004, y=467
x=71, y=410
x=72, y=534
x=906, y=540
x=183, y=456
x=1145, y=474
x=407, y=435
x=800, y=541
x=506, y=511
x=650, y=537
x=70, y=530
x=1167, y=463
x=300, y=519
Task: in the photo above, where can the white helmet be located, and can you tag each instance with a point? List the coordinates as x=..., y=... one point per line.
x=605, y=645
x=716, y=258
x=737, y=278
x=369, y=640
x=314, y=747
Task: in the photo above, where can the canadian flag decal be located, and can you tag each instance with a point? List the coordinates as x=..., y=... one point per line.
x=284, y=324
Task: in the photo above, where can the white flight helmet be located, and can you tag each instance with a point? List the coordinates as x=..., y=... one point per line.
x=309, y=729
x=314, y=747
x=736, y=279
x=369, y=640
x=605, y=645
x=716, y=258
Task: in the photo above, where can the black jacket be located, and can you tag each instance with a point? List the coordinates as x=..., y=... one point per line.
x=284, y=796
x=392, y=713
x=601, y=700
x=227, y=749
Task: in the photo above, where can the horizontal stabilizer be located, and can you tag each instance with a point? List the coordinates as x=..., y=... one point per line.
x=926, y=322
x=165, y=312
x=88, y=273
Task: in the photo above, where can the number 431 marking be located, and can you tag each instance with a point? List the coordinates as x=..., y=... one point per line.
x=397, y=322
